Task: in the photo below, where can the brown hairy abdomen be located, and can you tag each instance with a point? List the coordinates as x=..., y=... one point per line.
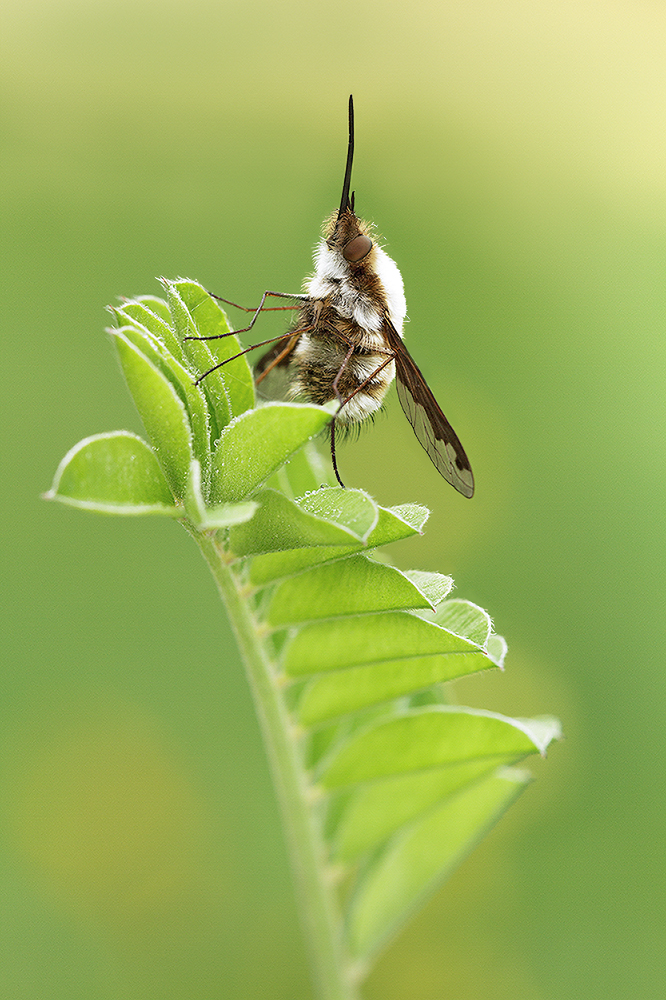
x=317, y=360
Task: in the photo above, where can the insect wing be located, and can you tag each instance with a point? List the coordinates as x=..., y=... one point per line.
x=271, y=372
x=277, y=356
x=433, y=431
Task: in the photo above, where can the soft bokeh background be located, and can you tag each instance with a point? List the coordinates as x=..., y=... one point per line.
x=512, y=155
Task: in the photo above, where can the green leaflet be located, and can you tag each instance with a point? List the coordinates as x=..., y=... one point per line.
x=353, y=585
x=418, y=740
x=196, y=313
x=347, y=655
x=114, y=473
x=146, y=316
x=258, y=442
x=392, y=525
x=420, y=857
x=163, y=412
x=280, y=524
x=191, y=396
x=405, y=654
x=229, y=390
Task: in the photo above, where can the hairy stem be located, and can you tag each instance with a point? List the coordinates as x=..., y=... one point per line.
x=315, y=888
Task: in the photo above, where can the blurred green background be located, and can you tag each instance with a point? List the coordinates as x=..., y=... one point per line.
x=512, y=155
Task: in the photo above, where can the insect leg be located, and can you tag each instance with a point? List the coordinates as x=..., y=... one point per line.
x=336, y=380
x=249, y=309
x=260, y=308
x=370, y=377
x=234, y=356
x=279, y=358
x=335, y=464
x=344, y=402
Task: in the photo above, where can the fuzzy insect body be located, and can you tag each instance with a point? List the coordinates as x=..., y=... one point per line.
x=346, y=342
x=345, y=310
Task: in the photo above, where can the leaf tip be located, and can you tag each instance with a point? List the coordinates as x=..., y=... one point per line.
x=542, y=730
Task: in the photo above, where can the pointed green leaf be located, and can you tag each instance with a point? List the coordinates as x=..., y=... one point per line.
x=138, y=314
x=351, y=586
x=206, y=518
x=433, y=737
x=469, y=620
x=433, y=586
x=255, y=444
x=156, y=305
x=413, y=514
x=465, y=618
x=542, y=729
x=214, y=388
x=156, y=351
x=114, y=473
x=181, y=381
x=196, y=314
x=352, y=508
x=393, y=524
x=279, y=524
x=421, y=857
x=350, y=690
x=400, y=654
x=372, y=813
x=365, y=639
x=496, y=650
x=162, y=411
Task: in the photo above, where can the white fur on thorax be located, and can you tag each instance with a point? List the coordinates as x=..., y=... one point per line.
x=348, y=301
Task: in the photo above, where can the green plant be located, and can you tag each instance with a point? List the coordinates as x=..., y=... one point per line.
x=384, y=786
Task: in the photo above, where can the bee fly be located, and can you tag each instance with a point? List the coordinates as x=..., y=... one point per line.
x=346, y=343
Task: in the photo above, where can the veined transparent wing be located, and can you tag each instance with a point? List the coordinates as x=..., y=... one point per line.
x=433, y=431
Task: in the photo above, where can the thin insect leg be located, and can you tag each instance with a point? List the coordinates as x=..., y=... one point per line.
x=282, y=355
x=294, y=336
x=370, y=377
x=345, y=401
x=250, y=309
x=260, y=308
x=336, y=380
x=234, y=356
x=335, y=464
x=342, y=403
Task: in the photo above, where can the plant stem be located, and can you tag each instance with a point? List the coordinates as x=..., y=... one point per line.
x=315, y=889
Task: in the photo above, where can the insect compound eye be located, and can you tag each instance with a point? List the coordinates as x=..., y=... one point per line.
x=357, y=249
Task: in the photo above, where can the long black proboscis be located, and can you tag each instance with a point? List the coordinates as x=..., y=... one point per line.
x=345, y=203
